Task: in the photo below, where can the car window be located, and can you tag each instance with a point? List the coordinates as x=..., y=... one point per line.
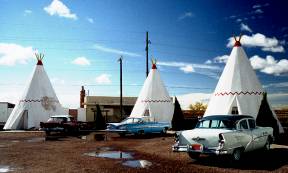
x=243, y=124
x=252, y=123
x=203, y=124
x=227, y=124
x=127, y=121
x=214, y=123
x=136, y=120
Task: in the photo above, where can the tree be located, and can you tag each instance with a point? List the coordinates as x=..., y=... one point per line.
x=178, y=117
x=198, y=108
x=265, y=116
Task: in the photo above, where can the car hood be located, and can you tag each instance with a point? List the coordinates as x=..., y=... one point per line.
x=207, y=137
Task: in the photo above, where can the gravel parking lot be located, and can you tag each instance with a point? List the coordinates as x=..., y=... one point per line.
x=30, y=152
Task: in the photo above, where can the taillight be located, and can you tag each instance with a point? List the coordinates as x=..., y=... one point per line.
x=176, y=137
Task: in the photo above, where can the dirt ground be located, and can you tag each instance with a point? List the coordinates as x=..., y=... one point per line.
x=32, y=153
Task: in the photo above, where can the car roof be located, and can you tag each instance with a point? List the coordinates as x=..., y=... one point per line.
x=226, y=117
x=61, y=116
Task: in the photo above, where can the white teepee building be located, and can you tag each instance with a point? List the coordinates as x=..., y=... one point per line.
x=154, y=101
x=238, y=90
x=37, y=103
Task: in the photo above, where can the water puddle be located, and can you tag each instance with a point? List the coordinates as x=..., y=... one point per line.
x=111, y=154
x=137, y=163
x=36, y=140
x=5, y=168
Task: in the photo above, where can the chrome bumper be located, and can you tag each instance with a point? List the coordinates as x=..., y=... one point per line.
x=209, y=151
x=179, y=148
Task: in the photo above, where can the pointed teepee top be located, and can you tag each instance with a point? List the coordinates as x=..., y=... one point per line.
x=154, y=63
x=237, y=42
x=39, y=57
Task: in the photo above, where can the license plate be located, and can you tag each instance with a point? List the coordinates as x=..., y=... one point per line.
x=197, y=147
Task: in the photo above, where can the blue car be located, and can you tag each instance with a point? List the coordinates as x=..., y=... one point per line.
x=138, y=126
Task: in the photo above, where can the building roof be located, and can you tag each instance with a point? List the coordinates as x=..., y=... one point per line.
x=106, y=100
x=9, y=105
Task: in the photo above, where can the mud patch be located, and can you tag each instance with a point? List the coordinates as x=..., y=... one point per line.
x=110, y=154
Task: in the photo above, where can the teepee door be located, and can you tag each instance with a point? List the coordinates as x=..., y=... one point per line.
x=23, y=124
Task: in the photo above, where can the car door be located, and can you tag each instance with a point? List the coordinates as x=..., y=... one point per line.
x=258, y=139
x=244, y=135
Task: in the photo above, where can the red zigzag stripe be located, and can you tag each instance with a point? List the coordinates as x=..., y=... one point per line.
x=28, y=100
x=239, y=93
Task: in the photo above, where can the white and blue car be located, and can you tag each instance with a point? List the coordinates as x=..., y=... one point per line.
x=223, y=135
x=138, y=126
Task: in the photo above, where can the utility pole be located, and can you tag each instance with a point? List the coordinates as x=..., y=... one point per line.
x=147, y=43
x=121, y=113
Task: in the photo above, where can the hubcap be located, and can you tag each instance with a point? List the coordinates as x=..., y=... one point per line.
x=237, y=154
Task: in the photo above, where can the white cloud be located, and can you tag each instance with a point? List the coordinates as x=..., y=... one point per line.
x=11, y=54
x=269, y=65
x=260, y=5
x=187, y=69
x=239, y=20
x=27, y=12
x=204, y=69
x=259, y=40
x=256, y=6
x=208, y=62
x=115, y=51
x=245, y=27
x=277, y=85
x=60, y=9
x=221, y=59
x=186, y=15
x=90, y=20
x=191, y=98
x=103, y=79
x=183, y=64
x=258, y=11
x=81, y=61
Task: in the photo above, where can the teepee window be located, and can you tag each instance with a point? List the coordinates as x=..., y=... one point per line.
x=234, y=110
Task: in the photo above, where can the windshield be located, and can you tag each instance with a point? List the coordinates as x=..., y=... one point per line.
x=130, y=120
x=218, y=124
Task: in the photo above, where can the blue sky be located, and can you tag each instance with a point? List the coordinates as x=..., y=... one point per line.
x=82, y=41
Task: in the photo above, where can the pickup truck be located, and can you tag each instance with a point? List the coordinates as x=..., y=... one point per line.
x=138, y=126
x=223, y=135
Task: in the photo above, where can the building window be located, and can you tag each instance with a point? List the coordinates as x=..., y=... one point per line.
x=235, y=110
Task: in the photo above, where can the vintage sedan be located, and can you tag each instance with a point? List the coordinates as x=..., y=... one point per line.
x=223, y=135
x=138, y=126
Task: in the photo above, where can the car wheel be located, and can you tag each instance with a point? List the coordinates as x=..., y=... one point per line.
x=140, y=132
x=164, y=130
x=237, y=153
x=194, y=156
x=122, y=134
